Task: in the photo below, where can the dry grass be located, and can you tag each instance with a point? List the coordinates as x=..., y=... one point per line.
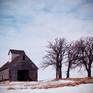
x=77, y=81
x=49, y=84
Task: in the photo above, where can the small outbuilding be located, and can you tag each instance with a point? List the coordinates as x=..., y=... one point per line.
x=19, y=68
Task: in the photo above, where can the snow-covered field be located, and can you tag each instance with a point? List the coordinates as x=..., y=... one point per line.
x=27, y=87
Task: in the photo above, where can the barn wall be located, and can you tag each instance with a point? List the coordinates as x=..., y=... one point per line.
x=4, y=75
x=15, y=67
x=13, y=56
x=13, y=75
x=22, y=65
x=33, y=75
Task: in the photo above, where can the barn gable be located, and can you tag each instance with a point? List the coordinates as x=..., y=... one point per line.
x=15, y=53
x=21, y=61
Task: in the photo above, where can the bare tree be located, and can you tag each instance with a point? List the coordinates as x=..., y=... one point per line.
x=55, y=55
x=83, y=55
x=89, y=55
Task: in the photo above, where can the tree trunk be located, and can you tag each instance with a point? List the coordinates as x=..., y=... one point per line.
x=89, y=68
x=89, y=72
x=57, y=75
x=58, y=71
x=68, y=70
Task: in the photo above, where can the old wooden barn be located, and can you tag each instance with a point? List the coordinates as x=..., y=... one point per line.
x=19, y=68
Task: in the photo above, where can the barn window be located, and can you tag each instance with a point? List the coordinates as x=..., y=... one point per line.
x=23, y=57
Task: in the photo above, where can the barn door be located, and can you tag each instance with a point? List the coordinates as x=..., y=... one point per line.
x=22, y=75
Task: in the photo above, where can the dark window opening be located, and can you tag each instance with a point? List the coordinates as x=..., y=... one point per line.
x=23, y=57
x=22, y=75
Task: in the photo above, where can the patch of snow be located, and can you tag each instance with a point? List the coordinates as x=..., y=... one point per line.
x=84, y=88
x=27, y=85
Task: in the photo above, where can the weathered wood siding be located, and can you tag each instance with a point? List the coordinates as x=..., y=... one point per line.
x=13, y=74
x=4, y=75
x=12, y=56
x=33, y=75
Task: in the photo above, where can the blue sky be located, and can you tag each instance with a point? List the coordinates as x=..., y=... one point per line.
x=30, y=24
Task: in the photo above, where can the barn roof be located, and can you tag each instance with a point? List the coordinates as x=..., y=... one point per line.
x=16, y=51
x=5, y=66
x=18, y=59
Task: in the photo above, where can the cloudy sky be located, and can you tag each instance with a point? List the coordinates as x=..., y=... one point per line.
x=30, y=24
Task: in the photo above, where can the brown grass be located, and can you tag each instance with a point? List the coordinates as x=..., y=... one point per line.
x=77, y=81
x=53, y=84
